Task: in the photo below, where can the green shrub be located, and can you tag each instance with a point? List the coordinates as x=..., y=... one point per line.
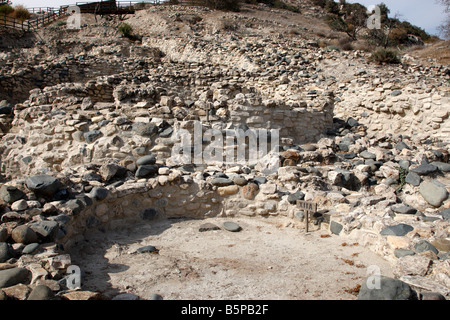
x=21, y=13
x=6, y=9
x=385, y=56
x=125, y=29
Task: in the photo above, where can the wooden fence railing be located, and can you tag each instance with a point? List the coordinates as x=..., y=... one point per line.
x=42, y=16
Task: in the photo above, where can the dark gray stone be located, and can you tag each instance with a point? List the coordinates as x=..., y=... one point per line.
x=396, y=93
x=147, y=249
x=404, y=209
x=5, y=252
x=239, y=180
x=423, y=246
x=167, y=132
x=352, y=122
x=259, y=180
x=397, y=230
x=30, y=248
x=149, y=214
x=3, y=234
x=368, y=155
x=336, y=227
x=389, y=289
x=10, y=194
x=445, y=214
x=293, y=197
x=431, y=296
x=413, y=179
x=399, y=253
x=401, y=145
x=442, y=166
x=424, y=169
x=43, y=184
x=208, y=227
x=221, y=182
x=11, y=277
x=145, y=129
x=75, y=206
x=99, y=193
x=231, y=226
x=41, y=292
x=146, y=160
x=146, y=171
x=92, y=136
x=92, y=222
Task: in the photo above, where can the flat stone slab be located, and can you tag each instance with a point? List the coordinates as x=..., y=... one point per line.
x=231, y=226
x=208, y=227
x=397, y=230
x=147, y=249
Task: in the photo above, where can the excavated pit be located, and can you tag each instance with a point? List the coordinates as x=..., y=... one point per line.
x=269, y=258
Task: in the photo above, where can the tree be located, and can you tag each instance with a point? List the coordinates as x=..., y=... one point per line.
x=350, y=19
x=445, y=27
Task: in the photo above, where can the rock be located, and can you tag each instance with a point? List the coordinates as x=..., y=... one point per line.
x=445, y=214
x=81, y=295
x=403, y=209
x=259, y=180
x=413, y=265
x=108, y=171
x=396, y=230
x=149, y=214
x=46, y=230
x=19, y=205
x=293, y=197
x=5, y=252
x=368, y=155
x=13, y=276
x=41, y=292
x=30, y=248
x=146, y=160
x=433, y=192
x=43, y=184
x=208, y=227
x=250, y=191
x=145, y=129
x=3, y=234
x=146, y=171
x=424, y=245
x=431, y=296
x=231, y=226
x=401, y=145
x=239, y=180
x=147, y=249
x=99, y=193
x=309, y=147
x=413, y=179
x=442, y=166
x=92, y=136
x=125, y=296
x=389, y=289
x=300, y=215
x=156, y=296
x=424, y=169
x=17, y=292
x=441, y=244
x=399, y=253
x=24, y=234
x=228, y=190
x=335, y=227
x=10, y=194
x=221, y=182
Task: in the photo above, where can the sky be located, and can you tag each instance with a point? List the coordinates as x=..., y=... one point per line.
x=423, y=13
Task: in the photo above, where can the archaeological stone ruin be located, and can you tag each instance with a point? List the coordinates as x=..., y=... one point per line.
x=90, y=120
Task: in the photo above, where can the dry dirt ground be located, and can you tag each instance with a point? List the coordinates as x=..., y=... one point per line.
x=269, y=259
